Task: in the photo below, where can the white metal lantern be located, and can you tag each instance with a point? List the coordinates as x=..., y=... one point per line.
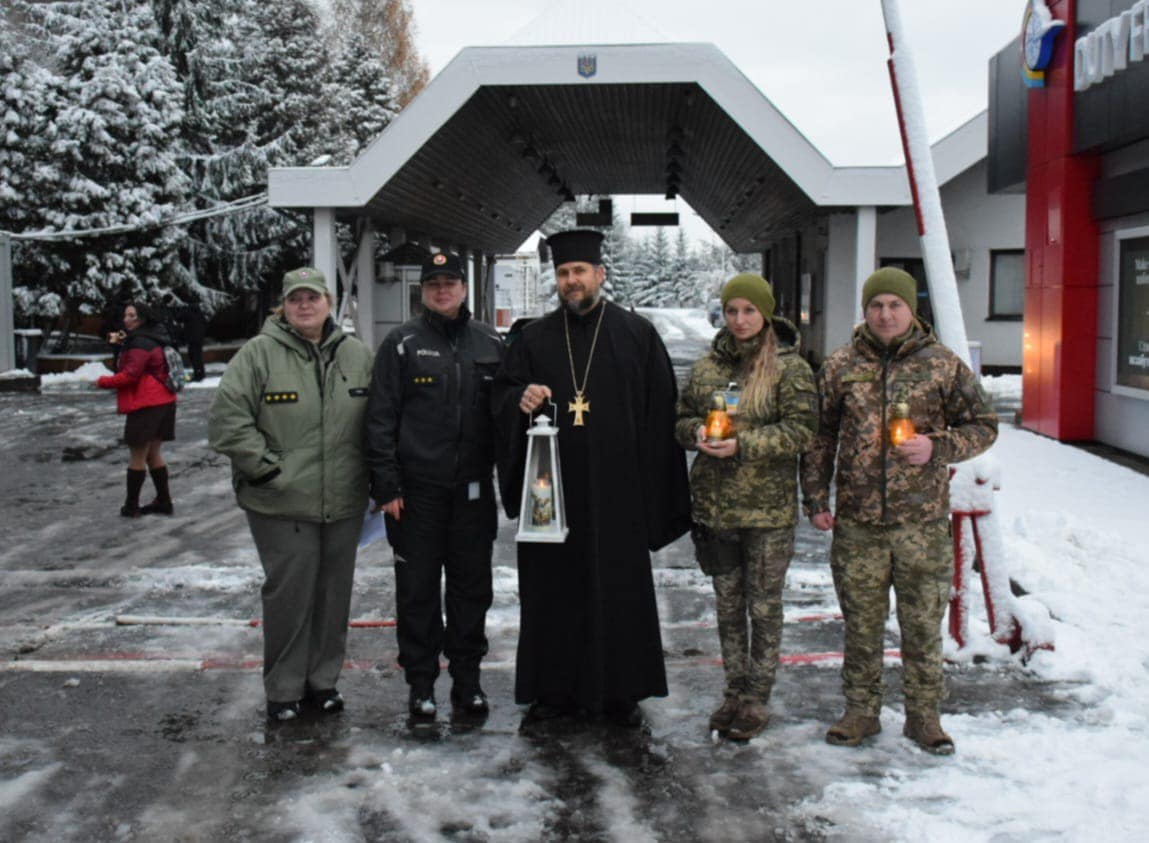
x=542, y=516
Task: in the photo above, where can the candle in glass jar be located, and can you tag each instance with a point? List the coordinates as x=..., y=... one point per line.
x=717, y=423
x=542, y=502
x=901, y=428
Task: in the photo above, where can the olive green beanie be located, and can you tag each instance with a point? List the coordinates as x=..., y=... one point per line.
x=890, y=279
x=754, y=288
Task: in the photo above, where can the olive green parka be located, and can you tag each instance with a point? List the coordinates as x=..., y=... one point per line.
x=758, y=486
x=289, y=415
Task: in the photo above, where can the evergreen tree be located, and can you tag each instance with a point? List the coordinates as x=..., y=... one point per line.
x=388, y=29
x=683, y=281
x=616, y=255
x=26, y=170
x=653, y=280
x=112, y=108
x=359, y=97
x=255, y=84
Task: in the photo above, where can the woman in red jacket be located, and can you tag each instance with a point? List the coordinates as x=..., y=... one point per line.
x=142, y=394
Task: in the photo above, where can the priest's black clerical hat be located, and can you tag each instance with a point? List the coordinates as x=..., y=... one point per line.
x=579, y=245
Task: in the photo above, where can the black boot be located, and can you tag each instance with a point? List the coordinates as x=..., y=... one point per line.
x=162, y=505
x=131, y=507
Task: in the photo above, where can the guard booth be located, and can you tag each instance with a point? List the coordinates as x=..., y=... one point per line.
x=398, y=294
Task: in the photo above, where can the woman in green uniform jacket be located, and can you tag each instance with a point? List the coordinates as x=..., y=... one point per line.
x=744, y=488
x=289, y=415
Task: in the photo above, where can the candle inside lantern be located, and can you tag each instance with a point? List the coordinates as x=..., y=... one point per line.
x=901, y=428
x=542, y=502
x=718, y=425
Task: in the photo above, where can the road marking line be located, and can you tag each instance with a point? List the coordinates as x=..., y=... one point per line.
x=139, y=663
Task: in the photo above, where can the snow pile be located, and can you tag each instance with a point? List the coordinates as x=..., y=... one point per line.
x=206, y=383
x=88, y=373
x=244, y=578
x=1072, y=526
x=1002, y=386
x=14, y=374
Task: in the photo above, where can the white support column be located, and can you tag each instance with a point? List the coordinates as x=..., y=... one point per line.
x=325, y=246
x=865, y=252
x=466, y=256
x=365, y=284
x=477, y=287
x=7, y=306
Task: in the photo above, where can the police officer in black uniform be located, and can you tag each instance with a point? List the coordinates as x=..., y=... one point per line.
x=430, y=448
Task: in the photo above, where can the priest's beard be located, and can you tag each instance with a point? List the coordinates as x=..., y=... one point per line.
x=583, y=304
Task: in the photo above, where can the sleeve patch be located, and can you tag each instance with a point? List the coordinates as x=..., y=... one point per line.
x=281, y=398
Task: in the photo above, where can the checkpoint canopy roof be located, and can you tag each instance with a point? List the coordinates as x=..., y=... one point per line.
x=490, y=148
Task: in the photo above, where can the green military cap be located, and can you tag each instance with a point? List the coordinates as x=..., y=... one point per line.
x=305, y=278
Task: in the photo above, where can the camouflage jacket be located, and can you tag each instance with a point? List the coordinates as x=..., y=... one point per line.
x=857, y=384
x=758, y=486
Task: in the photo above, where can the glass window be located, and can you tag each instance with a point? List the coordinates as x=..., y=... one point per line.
x=414, y=299
x=1133, y=314
x=1006, y=284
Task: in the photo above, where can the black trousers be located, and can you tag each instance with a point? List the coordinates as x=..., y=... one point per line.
x=195, y=357
x=443, y=530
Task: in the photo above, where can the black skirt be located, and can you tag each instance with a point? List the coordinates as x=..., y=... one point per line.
x=150, y=423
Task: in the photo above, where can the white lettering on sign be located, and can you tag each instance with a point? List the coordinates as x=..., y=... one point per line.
x=1140, y=271
x=1140, y=361
x=1110, y=47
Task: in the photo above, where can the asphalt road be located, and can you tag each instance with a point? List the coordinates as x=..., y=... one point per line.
x=156, y=731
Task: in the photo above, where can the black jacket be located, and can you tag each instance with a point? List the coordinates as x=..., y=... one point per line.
x=429, y=410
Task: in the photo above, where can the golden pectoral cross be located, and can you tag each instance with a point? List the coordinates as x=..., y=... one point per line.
x=578, y=407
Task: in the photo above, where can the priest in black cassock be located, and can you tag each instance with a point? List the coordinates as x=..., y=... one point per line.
x=589, y=638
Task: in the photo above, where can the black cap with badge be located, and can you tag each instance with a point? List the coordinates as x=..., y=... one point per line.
x=443, y=263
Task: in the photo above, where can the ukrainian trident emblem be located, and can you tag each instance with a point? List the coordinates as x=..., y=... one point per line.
x=587, y=65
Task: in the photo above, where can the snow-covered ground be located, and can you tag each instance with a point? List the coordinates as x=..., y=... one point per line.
x=1049, y=748
x=1072, y=530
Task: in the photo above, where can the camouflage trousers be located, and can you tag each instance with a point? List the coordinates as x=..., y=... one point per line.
x=917, y=559
x=749, y=601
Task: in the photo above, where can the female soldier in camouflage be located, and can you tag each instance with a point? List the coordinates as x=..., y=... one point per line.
x=744, y=488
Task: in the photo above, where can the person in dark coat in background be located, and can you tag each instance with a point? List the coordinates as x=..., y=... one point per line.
x=143, y=396
x=194, y=332
x=589, y=637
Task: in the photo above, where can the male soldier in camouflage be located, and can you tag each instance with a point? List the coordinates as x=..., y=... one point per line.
x=745, y=489
x=892, y=520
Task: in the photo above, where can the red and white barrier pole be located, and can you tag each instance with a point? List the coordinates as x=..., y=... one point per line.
x=976, y=530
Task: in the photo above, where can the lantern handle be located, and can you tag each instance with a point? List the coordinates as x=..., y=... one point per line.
x=554, y=415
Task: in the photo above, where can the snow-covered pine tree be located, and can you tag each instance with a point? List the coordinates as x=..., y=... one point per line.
x=616, y=249
x=255, y=80
x=360, y=96
x=25, y=166
x=683, y=281
x=388, y=28
x=113, y=107
x=653, y=286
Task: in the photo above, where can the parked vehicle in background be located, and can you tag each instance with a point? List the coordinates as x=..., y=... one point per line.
x=714, y=312
x=685, y=331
